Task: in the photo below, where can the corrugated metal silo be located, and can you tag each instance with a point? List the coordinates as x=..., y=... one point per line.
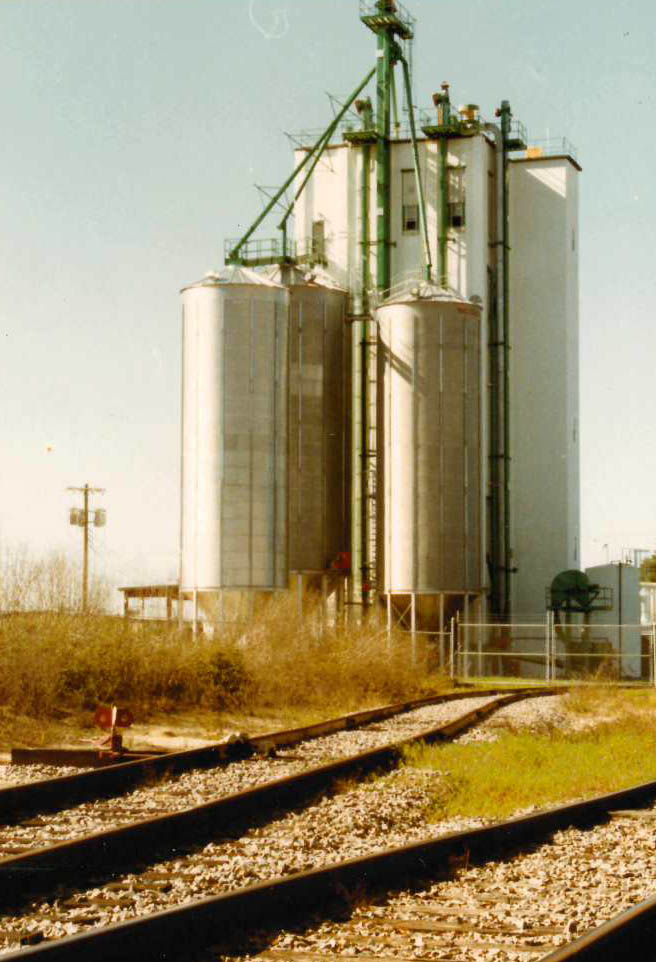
x=234, y=433
x=429, y=452
x=317, y=443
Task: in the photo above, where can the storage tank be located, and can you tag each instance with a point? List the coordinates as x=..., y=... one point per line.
x=317, y=437
x=234, y=530
x=429, y=450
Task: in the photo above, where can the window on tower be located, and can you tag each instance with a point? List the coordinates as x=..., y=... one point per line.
x=456, y=197
x=410, y=213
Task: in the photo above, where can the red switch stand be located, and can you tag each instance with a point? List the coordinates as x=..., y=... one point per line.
x=111, y=719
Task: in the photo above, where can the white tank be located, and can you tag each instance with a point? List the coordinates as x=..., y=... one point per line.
x=234, y=531
x=429, y=449
x=317, y=439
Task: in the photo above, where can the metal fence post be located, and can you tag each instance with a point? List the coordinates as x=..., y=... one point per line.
x=452, y=648
x=547, y=649
x=653, y=654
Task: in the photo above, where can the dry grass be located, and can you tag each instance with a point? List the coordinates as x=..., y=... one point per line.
x=611, y=702
x=55, y=664
x=299, y=662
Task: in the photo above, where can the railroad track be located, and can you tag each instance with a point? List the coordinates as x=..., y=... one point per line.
x=38, y=797
x=104, y=855
x=493, y=907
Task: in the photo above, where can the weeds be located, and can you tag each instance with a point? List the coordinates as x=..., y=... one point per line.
x=521, y=770
x=597, y=701
x=56, y=661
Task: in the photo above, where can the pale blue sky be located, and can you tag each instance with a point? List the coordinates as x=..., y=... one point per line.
x=132, y=133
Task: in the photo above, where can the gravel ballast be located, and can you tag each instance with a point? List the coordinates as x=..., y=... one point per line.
x=581, y=878
x=196, y=787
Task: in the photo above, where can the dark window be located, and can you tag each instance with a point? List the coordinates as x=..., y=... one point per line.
x=410, y=212
x=456, y=197
x=319, y=239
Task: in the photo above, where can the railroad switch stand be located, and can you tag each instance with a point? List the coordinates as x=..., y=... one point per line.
x=112, y=719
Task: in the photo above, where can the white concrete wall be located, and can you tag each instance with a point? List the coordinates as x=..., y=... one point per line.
x=544, y=376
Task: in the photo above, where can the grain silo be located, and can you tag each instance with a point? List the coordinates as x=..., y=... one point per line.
x=317, y=431
x=234, y=529
x=429, y=472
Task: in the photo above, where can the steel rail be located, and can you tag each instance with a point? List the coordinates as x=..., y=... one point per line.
x=50, y=795
x=217, y=920
x=629, y=935
x=104, y=854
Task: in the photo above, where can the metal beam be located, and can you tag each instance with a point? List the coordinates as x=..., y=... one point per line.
x=234, y=253
x=415, y=157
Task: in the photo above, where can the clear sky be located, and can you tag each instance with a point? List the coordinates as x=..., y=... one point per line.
x=132, y=134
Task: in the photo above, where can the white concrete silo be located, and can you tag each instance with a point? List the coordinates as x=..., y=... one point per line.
x=234, y=526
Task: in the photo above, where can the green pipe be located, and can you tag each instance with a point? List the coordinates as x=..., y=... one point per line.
x=506, y=117
x=383, y=165
x=358, y=380
x=234, y=253
x=369, y=373
x=357, y=473
x=395, y=108
x=443, y=238
x=415, y=156
x=497, y=563
x=317, y=157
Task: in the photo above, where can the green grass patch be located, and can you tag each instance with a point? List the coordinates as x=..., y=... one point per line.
x=495, y=779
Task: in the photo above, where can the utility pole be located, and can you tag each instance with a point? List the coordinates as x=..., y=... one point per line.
x=82, y=518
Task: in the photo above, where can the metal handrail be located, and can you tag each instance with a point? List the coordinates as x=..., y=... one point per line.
x=551, y=147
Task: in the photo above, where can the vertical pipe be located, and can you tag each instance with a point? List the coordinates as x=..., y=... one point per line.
x=442, y=240
x=359, y=385
x=506, y=117
x=367, y=451
x=497, y=563
x=383, y=186
x=395, y=108
x=415, y=156
x=357, y=473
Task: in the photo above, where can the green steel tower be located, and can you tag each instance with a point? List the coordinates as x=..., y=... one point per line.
x=388, y=20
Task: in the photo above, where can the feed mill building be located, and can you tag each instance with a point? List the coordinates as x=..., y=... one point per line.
x=381, y=403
